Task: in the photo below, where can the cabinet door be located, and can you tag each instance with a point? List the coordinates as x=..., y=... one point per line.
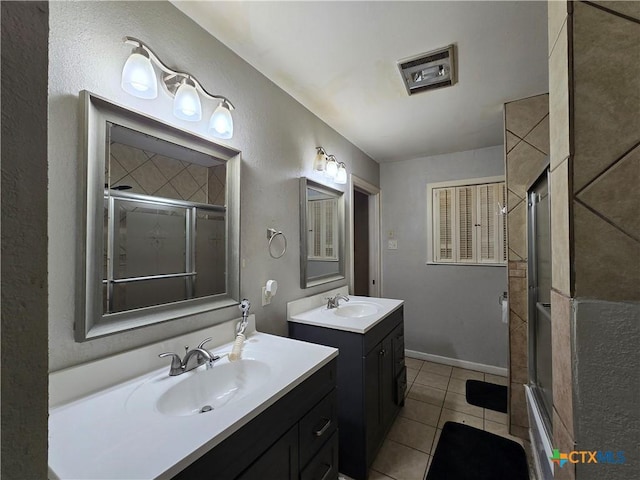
x=280, y=461
x=387, y=384
x=372, y=401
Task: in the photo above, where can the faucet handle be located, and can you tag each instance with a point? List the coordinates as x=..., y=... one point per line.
x=176, y=362
x=205, y=341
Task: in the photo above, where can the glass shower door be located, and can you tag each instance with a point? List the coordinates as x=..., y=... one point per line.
x=539, y=246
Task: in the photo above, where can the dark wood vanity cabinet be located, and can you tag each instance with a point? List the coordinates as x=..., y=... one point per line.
x=372, y=381
x=295, y=438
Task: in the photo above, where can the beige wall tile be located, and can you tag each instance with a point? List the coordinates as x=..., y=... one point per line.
x=606, y=120
x=520, y=432
x=512, y=140
x=615, y=193
x=539, y=136
x=518, y=351
x=524, y=165
x=560, y=241
x=631, y=9
x=518, y=297
x=561, y=356
x=513, y=200
x=563, y=441
x=559, y=99
x=169, y=167
x=149, y=177
x=522, y=115
x=556, y=15
x=518, y=414
x=517, y=231
x=606, y=266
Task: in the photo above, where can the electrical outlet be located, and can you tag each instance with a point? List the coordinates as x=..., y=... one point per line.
x=266, y=299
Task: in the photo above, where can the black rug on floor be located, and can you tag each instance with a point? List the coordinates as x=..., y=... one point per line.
x=467, y=453
x=487, y=395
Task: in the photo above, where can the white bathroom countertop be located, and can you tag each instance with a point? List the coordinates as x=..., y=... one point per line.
x=101, y=437
x=329, y=318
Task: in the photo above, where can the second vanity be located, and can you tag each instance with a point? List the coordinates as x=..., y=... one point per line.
x=369, y=333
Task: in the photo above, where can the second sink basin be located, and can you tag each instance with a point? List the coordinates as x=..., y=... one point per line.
x=356, y=310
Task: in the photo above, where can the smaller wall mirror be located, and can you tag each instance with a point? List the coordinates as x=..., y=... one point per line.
x=321, y=234
x=162, y=222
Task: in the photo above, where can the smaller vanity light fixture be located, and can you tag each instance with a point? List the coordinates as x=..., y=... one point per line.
x=139, y=79
x=332, y=168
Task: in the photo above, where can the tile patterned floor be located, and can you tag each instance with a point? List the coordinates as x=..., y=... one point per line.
x=436, y=394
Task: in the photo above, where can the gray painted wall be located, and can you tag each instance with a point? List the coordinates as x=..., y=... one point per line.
x=276, y=134
x=451, y=311
x=607, y=385
x=24, y=240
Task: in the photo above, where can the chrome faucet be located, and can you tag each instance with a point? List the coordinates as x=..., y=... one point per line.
x=335, y=301
x=192, y=359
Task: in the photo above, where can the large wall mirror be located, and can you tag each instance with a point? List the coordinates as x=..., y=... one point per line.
x=321, y=234
x=162, y=222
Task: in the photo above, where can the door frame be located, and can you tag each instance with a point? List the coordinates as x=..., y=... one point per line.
x=373, y=192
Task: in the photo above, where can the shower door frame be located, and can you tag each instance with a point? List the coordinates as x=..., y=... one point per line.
x=533, y=297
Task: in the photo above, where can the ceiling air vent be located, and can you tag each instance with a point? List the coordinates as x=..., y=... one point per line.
x=429, y=71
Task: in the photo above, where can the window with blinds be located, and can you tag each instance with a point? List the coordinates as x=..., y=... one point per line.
x=468, y=224
x=323, y=229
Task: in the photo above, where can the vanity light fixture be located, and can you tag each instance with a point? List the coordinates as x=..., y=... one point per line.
x=139, y=79
x=332, y=168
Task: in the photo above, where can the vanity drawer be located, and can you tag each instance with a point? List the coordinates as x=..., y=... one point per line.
x=318, y=425
x=324, y=465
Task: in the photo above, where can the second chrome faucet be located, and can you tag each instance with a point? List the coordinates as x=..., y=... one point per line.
x=192, y=359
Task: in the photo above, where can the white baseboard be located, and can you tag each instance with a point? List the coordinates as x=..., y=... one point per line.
x=454, y=362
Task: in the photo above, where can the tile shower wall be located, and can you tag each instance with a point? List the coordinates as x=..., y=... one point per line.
x=526, y=154
x=595, y=158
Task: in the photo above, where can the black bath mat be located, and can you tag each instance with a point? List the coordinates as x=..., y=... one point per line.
x=487, y=395
x=467, y=453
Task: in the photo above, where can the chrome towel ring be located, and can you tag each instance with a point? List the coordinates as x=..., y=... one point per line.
x=271, y=234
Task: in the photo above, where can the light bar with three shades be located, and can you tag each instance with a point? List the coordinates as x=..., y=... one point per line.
x=337, y=171
x=139, y=79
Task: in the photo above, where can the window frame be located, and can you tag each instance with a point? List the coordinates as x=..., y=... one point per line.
x=432, y=216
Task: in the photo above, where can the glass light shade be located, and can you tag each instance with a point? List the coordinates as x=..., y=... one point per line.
x=221, y=122
x=331, y=170
x=320, y=162
x=138, y=77
x=186, y=104
x=341, y=176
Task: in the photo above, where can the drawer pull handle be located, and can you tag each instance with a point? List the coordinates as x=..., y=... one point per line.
x=326, y=474
x=325, y=427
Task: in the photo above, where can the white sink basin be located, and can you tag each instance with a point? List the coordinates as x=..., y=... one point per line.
x=356, y=310
x=203, y=390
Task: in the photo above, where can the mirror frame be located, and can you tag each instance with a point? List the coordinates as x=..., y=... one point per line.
x=306, y=183
x=90, y=321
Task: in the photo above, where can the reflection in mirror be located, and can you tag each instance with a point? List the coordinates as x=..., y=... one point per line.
x=167, y=243
x=321, y=234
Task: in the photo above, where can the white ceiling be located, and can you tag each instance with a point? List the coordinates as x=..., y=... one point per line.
x=339, y=59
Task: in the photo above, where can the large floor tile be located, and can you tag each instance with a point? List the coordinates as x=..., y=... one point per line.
x=457, y=402
x=432, y=380
x=435, y=440
x=431, y=395
x=413, y=363
x=497, y=379
x=412, y=373
x=438, y=368
x=401, y=462
x=464, y=374
x=373, y=475
x=412, y=434
x=420, y=412
x=453, y=416
x=494, y=416
x=457, y=385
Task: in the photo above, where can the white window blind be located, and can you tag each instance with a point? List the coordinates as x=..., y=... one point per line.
x=323, y=229
x=468, y=225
